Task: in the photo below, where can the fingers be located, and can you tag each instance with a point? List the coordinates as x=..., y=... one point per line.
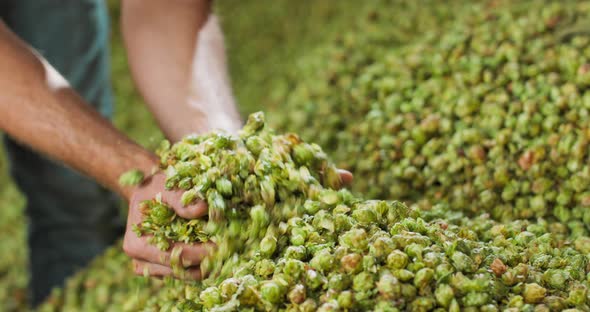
x=147, y=258
x=346, y=176
x=173, y=198
x=139, y=248
x=194, y=210
x=144, y=268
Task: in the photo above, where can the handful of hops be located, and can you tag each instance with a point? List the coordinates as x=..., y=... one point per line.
x=252, y=183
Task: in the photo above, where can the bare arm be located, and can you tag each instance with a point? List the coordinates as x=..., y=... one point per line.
x=177, y=59
x=38, y=109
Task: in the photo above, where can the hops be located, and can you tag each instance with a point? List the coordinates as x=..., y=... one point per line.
x=432, y=265
x=313, y=247
x=250, y=182
x=481, y=115
x=289, y=240
x=130, y=178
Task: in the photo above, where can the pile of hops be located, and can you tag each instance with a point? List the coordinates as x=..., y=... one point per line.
x=107, y=284
x=551, y=280
x=462, y=121
x=527, y=266
x=319, y=248
x=489, y=114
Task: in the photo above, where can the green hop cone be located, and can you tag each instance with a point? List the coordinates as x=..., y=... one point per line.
x=131, y=178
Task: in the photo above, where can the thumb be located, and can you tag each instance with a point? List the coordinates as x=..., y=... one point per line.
x=346, y=176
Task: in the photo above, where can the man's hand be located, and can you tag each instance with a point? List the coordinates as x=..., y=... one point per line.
x=147, y=258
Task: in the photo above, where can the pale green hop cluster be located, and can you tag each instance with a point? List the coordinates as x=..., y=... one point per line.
x=249, y=181
x=323, y=249
x=408, y=265
x=455, y=264
x=484, y=114
x=317, y=248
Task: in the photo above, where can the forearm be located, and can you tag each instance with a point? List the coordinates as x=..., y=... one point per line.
x=38, y=109
x=177, y=60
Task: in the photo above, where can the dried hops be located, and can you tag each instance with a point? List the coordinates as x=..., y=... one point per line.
x=410, y=265
x=296, y=243
x=489, y=114
x=323, y=249
x=250, y=182
x=359, y=258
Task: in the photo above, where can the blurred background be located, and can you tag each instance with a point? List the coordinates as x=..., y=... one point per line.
x=264, y=39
